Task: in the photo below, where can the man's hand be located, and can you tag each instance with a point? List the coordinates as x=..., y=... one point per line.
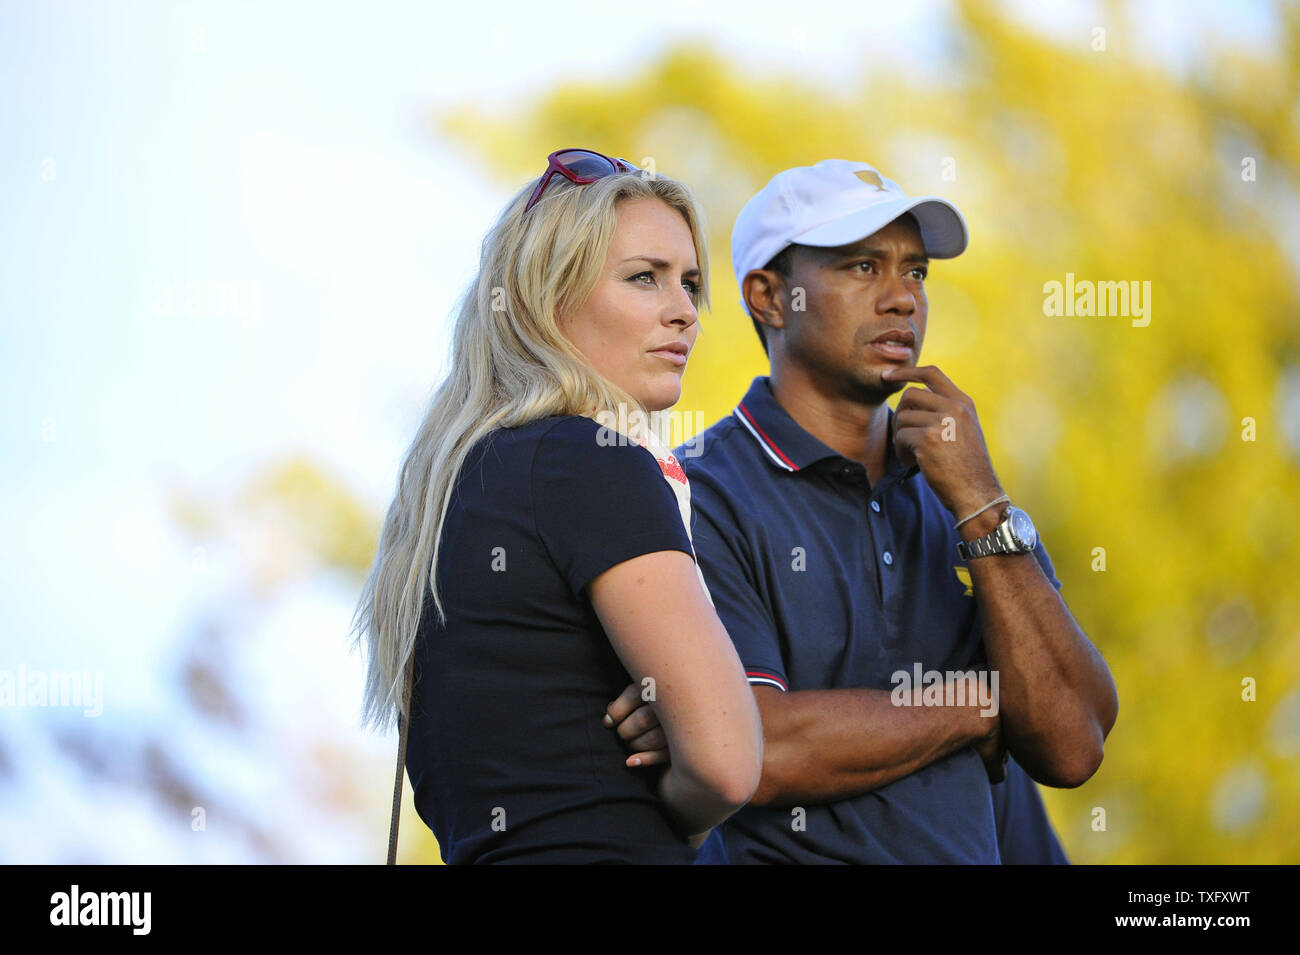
x=993, y=751
x=1058, y=698
x=936, y=428
x=638, y=727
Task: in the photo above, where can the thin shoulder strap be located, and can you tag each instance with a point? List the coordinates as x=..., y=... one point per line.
x=401, y=761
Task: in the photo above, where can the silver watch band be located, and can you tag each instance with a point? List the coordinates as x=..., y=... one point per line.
x=997, y=541
x=990, y=543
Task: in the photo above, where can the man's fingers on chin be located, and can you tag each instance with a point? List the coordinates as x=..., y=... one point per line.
x=921, y=398
x=916, y=418
x=934, y=378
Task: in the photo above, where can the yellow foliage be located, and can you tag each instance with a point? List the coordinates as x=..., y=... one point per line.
x=1066, y=160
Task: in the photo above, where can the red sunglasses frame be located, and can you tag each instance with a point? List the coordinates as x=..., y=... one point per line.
x=554, y=167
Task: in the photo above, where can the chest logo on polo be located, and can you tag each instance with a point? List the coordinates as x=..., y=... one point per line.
x=963, y=574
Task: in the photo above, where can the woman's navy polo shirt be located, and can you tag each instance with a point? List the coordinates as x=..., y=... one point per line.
x=508, y=756
x=823, y=581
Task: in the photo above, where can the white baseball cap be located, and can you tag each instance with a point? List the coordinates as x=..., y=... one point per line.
x=832, y=203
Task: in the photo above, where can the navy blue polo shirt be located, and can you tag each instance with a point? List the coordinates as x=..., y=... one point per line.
x=1025, y=834
x=508, y=757
x=824, y=581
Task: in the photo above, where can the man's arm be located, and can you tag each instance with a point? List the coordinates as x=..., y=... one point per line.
x=819, y=746
x=814, y=746
x=825, y=745
x=1057, y=698
x=1056, y=695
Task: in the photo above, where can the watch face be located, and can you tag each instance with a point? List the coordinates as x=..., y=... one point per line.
x=1023, y=528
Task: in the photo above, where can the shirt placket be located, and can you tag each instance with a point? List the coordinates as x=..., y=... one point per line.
x=879, y=542
x=889, y=568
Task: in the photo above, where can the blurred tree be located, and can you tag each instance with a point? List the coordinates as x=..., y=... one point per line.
x=1128, y=444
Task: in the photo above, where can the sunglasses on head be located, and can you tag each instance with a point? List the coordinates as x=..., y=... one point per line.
x=579, y=166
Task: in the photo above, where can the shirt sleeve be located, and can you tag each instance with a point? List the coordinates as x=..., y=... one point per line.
x=1025, y=834
x=730, y=571
x=597, y=504
x=1045, y=562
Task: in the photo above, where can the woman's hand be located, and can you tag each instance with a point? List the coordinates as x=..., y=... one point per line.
x=660, y=623
x=634, y=719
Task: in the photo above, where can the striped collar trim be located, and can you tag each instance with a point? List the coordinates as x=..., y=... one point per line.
x=779, y=457
x=787, y=445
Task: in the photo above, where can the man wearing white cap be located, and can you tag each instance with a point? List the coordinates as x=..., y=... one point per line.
x=898, y=619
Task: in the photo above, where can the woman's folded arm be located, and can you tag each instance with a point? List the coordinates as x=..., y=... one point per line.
x=663, y=627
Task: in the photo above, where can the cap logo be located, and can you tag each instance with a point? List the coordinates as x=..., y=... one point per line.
x=871, y=178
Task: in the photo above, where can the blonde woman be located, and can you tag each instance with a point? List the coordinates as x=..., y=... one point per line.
x=536, y=563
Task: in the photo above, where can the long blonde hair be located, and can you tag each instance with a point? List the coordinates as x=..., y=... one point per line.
x=510, y=364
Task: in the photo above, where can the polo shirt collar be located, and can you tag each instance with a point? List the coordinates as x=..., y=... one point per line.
x=785, y=443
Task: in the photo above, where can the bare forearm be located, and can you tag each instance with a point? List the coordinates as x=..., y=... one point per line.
x=824, y=745
x=694, y=807
x=1057, y=699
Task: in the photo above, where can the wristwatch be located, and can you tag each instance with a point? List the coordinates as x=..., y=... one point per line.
x=1015, y=535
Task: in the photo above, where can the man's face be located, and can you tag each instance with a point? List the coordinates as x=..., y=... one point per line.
x=857, y=298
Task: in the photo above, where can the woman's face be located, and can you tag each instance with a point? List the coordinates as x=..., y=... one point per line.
x=639, y=324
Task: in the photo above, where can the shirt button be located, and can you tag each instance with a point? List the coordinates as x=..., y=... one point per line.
x=875, y=506
x=889, y=558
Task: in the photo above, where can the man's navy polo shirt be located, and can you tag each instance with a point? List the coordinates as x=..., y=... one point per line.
x=823, y=582
x=1025, y=835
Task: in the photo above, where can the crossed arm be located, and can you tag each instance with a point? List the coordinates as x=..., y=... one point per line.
x=663, y=628
x=1057, y=703
x=1056, y=696
x=1057, y=700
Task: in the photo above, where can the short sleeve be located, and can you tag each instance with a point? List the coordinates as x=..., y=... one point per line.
x=730, y=571
x=1025, y=834
x=1045, y=563
x=597, y=504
